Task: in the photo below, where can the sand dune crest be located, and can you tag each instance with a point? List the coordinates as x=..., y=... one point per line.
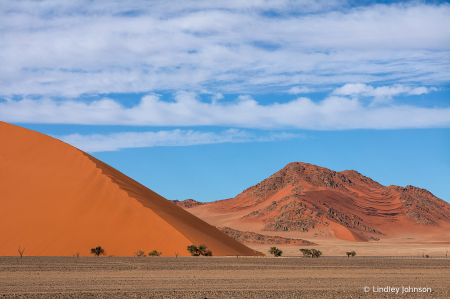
x=56, y=200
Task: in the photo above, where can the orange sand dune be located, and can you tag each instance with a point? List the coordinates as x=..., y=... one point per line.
x=56, y=200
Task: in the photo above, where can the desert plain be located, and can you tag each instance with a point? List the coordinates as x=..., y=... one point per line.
x=57, y=201
x=222, y=277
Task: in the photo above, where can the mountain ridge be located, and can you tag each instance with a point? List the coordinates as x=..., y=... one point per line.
x=302, y=198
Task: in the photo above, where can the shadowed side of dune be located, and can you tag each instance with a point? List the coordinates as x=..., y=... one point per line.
x=58, y=200
x=192, y=227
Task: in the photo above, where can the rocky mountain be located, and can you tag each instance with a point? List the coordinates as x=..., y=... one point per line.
x=304, y=198
x=187, y=203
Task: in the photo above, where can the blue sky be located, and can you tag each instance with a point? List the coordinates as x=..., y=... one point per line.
x=202, y=99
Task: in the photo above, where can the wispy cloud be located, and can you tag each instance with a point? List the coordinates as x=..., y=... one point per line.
x=297, y=90
x=117, y=141
x=93, y=47
x=336, y=112
x=381, y=93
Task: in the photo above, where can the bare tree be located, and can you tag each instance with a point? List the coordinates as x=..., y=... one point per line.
x=176, y=253
x=21, y=251
x=446, y=252
x=140, y=253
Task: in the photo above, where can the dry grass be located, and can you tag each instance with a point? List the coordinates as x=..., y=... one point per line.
x=219, y=277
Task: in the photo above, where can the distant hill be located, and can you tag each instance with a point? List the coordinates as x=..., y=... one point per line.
x=187, y=203
x=304, y=201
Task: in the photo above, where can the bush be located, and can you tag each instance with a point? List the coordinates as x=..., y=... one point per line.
x=200, y=250
x=97, y=251
x=204, y=251
x=193, y=250
x=154, y=253
x=139, y=253
x=311, y=253
x=306, y=252
x=275, y=251
x=315, y=253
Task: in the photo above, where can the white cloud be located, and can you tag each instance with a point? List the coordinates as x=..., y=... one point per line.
x=93, y=47
x=381, y=93
x=297, y=90
x=332, y=113
x=117, y=141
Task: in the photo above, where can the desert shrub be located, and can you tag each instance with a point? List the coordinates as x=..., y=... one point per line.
x=21, y=251
x=97, y=251
x=351, y=253
x=193, y=250
x=427, y=256
x=140, y=253
x=200, y=250
x=275, y=251
x=315, y=253
x=154, y=253
x=306, y=252
x=311, y=253
x=204, y=251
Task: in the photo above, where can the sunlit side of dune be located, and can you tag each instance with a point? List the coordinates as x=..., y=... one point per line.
x=56, y=200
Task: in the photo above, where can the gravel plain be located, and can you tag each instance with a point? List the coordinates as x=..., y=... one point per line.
x=221, y=277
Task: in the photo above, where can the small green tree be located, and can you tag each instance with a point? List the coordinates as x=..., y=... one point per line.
x=311, y=253
x=315, y=253
x=353, y=253
x=97, y=251
x=204, y=251
x=275, y=251
x=306, y=252
x=349, y=253
x=200, y=250
x=193, y=250
x=154, y=253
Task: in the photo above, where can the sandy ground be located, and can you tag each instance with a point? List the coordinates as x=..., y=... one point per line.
x=221, y=277
x=390, y=247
